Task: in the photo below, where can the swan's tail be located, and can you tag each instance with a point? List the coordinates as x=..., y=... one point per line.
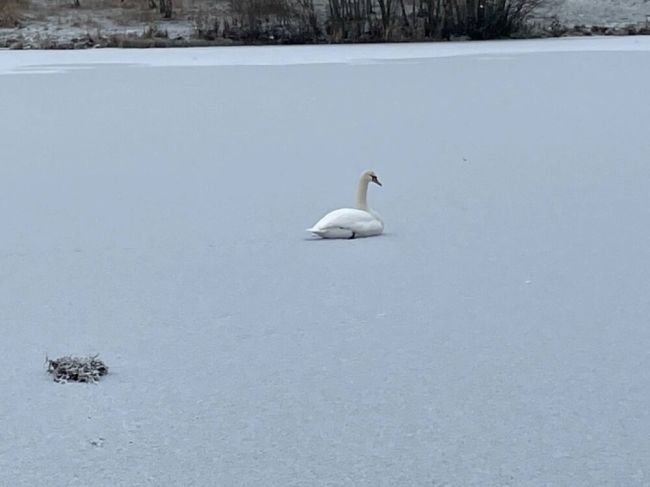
x=315, y=231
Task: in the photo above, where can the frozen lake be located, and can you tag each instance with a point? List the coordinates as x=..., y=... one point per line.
x=153, y=207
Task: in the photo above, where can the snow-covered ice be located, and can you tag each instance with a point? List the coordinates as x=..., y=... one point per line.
x=44, y=61
x=153, y=207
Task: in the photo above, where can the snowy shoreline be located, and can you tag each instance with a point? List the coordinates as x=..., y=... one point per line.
x=15, y=40
x=40, y=61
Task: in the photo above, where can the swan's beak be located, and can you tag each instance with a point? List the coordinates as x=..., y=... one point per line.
x=376, y=181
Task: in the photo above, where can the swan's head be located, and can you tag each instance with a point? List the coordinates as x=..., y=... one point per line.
x=371, y=177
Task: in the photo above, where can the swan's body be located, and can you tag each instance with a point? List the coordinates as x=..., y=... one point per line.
x=352, y=222
x=348, y=223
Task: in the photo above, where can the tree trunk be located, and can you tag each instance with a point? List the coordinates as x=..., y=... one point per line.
x=405, y=16
x=166, y=8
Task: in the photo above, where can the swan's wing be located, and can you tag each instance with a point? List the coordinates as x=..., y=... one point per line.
x=343, y=218
x=377, y=216
x=358, y=221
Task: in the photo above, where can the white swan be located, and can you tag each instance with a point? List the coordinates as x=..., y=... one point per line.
x=352, y=222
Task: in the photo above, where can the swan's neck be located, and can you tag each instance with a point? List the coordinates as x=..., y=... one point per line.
x=362, y=195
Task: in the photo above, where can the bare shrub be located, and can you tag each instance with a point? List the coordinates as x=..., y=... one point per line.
x=352, y=19
x=207, y=25
x=287, y=21
x=11, y=12
x=153, y=31
x=307, y=17
x=426, y=19
x=166, y=8
x=137, y=13
x=147, y=8
x=486, y=19
x=371, y=20
x=556, y=28
x=252, y=15
x=266, y=21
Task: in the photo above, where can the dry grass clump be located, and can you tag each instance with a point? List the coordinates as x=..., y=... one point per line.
x=136, y=13
x=11, y=12
x=77, y=369
x=129, y=11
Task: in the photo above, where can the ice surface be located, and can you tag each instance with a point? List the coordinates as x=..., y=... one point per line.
x=154, y=212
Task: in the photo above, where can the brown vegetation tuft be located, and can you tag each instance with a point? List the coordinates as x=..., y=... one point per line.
x=76, y=369
x=11, y=12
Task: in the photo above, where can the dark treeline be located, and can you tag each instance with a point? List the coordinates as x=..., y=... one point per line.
x=301, y=21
